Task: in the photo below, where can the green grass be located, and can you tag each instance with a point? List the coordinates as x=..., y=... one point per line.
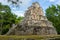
x=14, y=37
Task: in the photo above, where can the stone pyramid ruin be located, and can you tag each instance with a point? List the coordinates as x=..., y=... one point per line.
x=34, y=23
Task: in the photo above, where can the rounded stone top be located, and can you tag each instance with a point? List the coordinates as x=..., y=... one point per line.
x=36, y=4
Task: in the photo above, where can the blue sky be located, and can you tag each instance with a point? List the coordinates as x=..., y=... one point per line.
x=26, y=3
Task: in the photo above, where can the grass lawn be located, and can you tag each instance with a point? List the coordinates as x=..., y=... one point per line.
x=14, y=37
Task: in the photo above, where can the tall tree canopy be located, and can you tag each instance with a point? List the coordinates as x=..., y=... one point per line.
x=53, y=14
x=7, y=18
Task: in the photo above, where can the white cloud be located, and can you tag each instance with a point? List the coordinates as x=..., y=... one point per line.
x=25, y=2
x=58, y=2
x=55, y=1
x=4, y=2
x=19, y=13
x=49, y=0
x=52, y=0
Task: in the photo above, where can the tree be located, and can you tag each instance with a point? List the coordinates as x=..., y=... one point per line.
x=18, y=20
x=53, y=15
x=7, y=18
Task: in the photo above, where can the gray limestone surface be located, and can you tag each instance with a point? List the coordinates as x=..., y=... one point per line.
x=34, y=23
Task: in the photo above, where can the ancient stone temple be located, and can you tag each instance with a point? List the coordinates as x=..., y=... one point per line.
x=34, y=23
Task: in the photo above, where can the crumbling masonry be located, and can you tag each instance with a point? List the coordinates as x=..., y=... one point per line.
x=34, y=23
